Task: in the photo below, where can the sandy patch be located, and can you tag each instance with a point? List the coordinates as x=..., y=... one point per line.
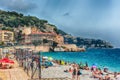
x=3, y=76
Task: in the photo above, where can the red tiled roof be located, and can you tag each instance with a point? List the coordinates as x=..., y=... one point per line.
x=50, y=33
x=5, y=30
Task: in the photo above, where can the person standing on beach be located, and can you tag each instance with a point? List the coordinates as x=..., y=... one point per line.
x=118, y=76
x=78, y=74
x=31, y=65
x=74, y=73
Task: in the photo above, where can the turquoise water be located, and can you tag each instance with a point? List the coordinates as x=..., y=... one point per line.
x=102, y=57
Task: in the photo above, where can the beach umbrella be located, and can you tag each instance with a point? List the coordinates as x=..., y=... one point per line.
x=1, y=61
x=10, y=61
x=94, y=65
x=106, y=67
x=50, y=58
x=45, y=57
x=6, y=60
x=62, y=62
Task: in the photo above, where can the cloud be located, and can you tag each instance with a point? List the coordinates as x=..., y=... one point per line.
x=87, y=18
x=66, y=14
x=18, y=5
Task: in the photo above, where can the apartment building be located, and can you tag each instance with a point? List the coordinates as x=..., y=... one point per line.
x=6, y=36
x=38, y=36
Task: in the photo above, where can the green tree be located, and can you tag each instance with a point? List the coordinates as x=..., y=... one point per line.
x=2, y=43
x=3, y=28
x=36, y=43
x=45, y=41
x=56, y=30
x=19, y=36
x=54, y=44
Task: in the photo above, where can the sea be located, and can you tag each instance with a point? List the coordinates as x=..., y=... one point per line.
x=109, y=58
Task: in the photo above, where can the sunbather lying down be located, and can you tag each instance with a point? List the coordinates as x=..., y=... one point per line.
x=99, y=74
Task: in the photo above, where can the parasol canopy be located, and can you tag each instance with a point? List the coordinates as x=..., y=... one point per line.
x=50, y=58
x=94, y=65
x=45, y=57
x=6, y=60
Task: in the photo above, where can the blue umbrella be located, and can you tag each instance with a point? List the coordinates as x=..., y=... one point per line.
x=94, y=65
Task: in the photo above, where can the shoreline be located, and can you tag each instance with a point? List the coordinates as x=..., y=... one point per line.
x=90, y=58
x=86, y=73
x=59, y=71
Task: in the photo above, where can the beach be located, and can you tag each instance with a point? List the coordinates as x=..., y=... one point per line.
x=55, y=72
x=60, y=67
x=58, y=72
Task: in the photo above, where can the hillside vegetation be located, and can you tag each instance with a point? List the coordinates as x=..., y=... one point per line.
x=13, y=19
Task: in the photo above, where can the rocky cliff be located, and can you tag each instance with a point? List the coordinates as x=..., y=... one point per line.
x=87, y=42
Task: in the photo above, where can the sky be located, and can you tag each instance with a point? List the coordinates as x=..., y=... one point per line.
x=99, y=19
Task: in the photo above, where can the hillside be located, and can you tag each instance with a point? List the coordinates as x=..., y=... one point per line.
x=12, y=20
x=86, y=42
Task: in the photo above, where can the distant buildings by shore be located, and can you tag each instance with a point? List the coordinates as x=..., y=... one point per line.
x=32, y=34
x=17, y=29
x=6, y=36
x=25, y=36
x=28, y=35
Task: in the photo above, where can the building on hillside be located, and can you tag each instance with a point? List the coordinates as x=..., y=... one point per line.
x=6, y=36
x=30, y=30
x=38, y=36
x=31, y=34
x=59, y=39
x=26, y=30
